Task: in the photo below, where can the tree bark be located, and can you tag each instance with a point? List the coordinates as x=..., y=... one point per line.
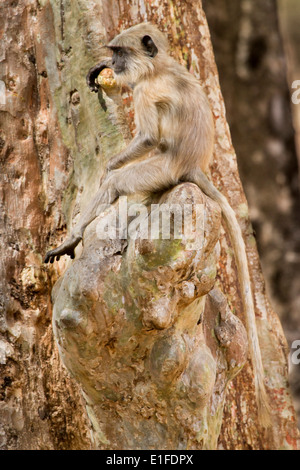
x=55, y=140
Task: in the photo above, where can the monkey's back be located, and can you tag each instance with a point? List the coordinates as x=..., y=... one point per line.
x=184, y=118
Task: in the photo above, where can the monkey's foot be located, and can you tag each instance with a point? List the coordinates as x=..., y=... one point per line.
x=67, y=248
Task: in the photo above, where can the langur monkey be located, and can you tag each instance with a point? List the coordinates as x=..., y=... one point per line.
x=174, y=122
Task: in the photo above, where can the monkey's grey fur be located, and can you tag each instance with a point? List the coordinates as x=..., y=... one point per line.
x=174, y=122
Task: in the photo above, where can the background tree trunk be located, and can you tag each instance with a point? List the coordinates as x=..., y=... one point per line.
x=289, y=12
x=55, y=139
x=249, y=54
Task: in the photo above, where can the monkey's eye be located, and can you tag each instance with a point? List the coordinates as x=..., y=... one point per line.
x=120, y=53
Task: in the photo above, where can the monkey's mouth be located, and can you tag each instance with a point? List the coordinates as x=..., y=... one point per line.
x=118, y=71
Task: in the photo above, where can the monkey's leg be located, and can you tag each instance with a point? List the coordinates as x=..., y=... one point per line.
x=151, y=175
x=106, y=194
x=148, y=176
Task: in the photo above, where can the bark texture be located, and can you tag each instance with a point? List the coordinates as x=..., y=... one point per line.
x=55, y=139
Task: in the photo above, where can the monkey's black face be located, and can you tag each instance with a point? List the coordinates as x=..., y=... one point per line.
x=119, y=59
x=122, y=56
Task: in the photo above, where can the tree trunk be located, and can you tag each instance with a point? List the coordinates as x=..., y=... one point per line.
x=55, y=140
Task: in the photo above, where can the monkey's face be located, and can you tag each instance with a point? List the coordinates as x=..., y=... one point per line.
x=119, y=59
x=130, y=64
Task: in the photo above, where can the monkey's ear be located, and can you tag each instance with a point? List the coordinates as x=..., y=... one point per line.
x=149, y=45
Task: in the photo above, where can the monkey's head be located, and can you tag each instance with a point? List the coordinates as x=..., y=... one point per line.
x=137, y=52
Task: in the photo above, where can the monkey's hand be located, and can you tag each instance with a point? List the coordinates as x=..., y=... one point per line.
x=94, y=72
x=113, y=164
x=67, y=248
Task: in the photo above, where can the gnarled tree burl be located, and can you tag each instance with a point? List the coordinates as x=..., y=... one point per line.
x=151, y=350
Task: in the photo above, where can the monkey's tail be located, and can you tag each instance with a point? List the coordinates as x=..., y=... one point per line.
x=236, y=237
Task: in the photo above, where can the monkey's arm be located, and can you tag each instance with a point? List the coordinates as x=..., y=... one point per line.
x=138, y=147
x=146, y=138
